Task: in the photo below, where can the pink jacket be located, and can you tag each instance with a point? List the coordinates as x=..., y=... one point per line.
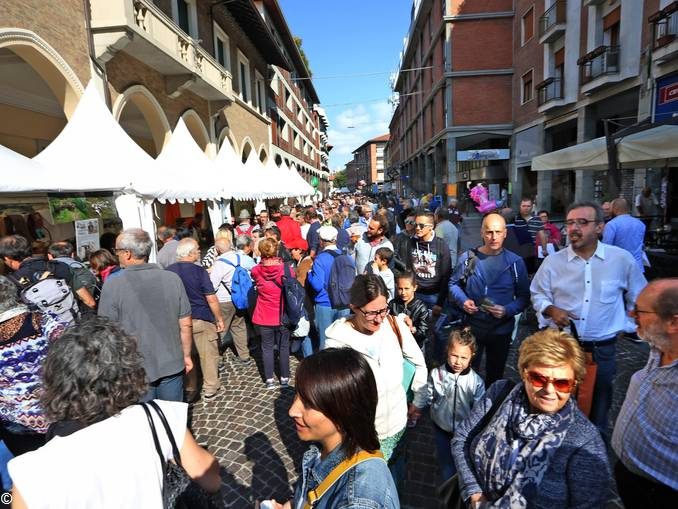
x=268, y=307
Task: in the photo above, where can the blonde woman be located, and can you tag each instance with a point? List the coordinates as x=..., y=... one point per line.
x=225, y=231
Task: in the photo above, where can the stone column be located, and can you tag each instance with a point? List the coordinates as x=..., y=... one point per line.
x=583, y=187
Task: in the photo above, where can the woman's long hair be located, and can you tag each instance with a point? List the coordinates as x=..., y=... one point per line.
x=339, y=383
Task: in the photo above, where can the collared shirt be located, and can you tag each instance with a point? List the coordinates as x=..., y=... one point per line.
x=645, y=434
x=591, y=290
x=628, y=233
x=223, y=272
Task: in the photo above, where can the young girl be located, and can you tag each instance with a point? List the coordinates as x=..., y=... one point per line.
x=407, y=304
x=452, y=391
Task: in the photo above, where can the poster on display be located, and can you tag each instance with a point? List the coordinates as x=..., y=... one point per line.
x=66, y=209
x=86, y=237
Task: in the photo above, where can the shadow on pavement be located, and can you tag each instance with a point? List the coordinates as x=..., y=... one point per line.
x=295, y=448
x=269, y=475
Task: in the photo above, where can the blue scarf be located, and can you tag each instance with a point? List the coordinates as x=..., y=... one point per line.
x=512, y=453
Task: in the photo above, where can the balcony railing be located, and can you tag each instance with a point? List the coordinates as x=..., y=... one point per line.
x=665, y=29
x=555, y=15
x=548, y=90
x=599, y=62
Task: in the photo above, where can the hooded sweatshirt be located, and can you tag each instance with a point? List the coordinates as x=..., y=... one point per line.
x=267, y=275
x=430, y=263
x=383, y=354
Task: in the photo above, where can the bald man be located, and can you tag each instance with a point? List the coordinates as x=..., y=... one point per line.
x=490, y=284
x=625, y=231
x=645, y=431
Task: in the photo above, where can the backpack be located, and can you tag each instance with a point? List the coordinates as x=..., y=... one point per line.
x=47, y=294
x=469, y=267
x=293, y=297
x=241, y=285
x=342, y=275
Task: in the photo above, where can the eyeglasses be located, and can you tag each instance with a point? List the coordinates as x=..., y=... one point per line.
x=410, y=221
x=116, y=250
x=579, y=222
x=559, y=384
x=371, y=315
x=635, y=311
x=421, y=226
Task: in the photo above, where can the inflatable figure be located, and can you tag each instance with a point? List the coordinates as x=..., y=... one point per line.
x=479, y=194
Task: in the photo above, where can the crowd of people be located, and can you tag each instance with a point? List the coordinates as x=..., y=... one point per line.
x=389, y=317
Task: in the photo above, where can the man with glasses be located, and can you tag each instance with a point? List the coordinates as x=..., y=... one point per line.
x=429, y=260
x=151, y=304
x=644, y=434
x=590, y=285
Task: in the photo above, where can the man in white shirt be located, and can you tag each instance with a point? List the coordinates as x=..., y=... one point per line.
x=591, y=285
x=222, y=279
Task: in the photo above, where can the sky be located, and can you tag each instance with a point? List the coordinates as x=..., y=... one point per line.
x=346, y=38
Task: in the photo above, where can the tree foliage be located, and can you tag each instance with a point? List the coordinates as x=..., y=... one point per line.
x=339, y=179
x=298, y=41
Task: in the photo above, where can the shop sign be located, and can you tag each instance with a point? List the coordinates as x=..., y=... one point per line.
x=483, y=154
x=66, y=209
x=666, y=104
x=86, y=237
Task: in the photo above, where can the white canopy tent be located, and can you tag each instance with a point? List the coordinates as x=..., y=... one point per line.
x=302, y=187
x=182, y=172
x=18, y=171
x=657, y=146
x=237, y=182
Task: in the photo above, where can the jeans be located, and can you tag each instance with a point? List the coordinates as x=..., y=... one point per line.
x=5, y=456
x=444, y=448
x=496, y=347
x=167, y=388
x=307, y=347
x=270, y=336
x=638, y=492
x=324, y=317
x=604, y=357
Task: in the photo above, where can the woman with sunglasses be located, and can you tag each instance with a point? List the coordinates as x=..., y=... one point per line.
x=530, y=445
x=370, y=331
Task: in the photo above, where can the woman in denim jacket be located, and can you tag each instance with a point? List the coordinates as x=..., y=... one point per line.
x=334, y=407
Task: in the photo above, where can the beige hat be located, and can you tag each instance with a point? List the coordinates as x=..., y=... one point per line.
x=244, y=214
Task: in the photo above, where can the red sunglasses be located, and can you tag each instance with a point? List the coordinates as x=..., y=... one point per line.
x=559, y=384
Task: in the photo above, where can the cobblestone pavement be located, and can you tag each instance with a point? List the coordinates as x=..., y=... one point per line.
x=247, y=428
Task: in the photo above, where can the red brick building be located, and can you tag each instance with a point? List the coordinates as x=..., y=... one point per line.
x=367, y=163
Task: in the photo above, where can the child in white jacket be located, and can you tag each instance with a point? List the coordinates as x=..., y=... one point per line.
x=452, y=390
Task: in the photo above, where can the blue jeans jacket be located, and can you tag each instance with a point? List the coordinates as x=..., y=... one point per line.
x=368, y=485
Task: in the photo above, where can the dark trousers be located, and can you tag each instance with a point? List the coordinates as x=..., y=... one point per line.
x=270, y=336
x=496, y=348
x=637, y=492
x=604, y=357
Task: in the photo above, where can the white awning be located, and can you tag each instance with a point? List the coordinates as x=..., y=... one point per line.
x=591, y=155
x=653, y=147
x=657, y=146
x=233, y=174
x=18, y=172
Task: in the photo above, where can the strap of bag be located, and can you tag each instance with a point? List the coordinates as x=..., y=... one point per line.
x=314, y=495
x=170, y=436
x=232, y=265
x=394, y=325
x=158, y=449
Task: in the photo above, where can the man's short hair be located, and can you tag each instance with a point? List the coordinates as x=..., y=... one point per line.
x=242, y=241
x=667, y=301
x=285, y=210
x=183, y=233
x=425, y=213
x=137, y=241
x=186, y=247
x=274, y=230
x=223, y=245
x=167, y=233
x=384, y=253
x=15, y=247
x=526, y=198
x=61, y=249
x=600, y=216
x=442, y=213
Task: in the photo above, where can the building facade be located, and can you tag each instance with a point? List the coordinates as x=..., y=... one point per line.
x=296, y=122
x=454, y=88
x=368, y=164
x=208, y=63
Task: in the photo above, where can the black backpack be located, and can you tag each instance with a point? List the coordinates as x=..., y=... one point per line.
x=292, y=301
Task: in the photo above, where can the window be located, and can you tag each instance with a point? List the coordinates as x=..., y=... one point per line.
x=282, y=126
x=611, y=28
x=526, y=89
x=222, y=48
x=288, y=99
x=245, y=78
x=527, y=26
x=297, y=140
x=184, y=14
x=259, y=88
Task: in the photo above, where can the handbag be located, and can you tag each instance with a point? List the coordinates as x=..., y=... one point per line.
x=585, y=388
x=409, y=367
x=448, y=494
x=179, y=491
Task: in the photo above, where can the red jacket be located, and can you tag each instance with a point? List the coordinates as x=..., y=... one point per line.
x=289, y=229
x=268, y=307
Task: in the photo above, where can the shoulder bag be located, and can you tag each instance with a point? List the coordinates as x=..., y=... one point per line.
x=179, y=491
x=408, y=366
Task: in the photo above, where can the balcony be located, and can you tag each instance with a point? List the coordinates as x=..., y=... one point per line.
x=665, y=34
x=586, y=3
x=140, y=29
x=552, y=24
x=550, y=94
x=598, y=68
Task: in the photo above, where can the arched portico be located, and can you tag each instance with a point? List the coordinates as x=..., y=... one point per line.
x=197, y=129
x=141, y=116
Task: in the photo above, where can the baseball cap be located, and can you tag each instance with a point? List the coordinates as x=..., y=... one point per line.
x=328, y=233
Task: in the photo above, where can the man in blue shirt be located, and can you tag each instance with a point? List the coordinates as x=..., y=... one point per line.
x=644, y=435
x=625, y=231
x=205, y=316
